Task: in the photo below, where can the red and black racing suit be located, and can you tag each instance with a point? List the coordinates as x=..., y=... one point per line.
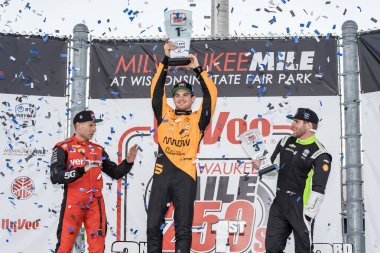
x=174, y=180
x=304, y=167
x=82, y=197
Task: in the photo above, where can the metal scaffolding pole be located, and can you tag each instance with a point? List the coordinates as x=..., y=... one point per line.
x=219, y=18
x=79, y=72
x=78, y=94
x=352, y=137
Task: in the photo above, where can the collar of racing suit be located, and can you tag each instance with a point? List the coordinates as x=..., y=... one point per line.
x=181, y=112
x=306, y=141
x=74, y=138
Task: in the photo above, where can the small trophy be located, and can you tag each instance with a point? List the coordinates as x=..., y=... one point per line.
x=178, y=26
x=253, y=144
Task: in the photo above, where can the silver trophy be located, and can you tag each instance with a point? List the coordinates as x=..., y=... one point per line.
x=178, y=26
x=252, y=142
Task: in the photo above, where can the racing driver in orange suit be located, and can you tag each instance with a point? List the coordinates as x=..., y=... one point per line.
x=179, y=132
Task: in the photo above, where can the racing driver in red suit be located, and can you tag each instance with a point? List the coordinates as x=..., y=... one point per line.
x=77, y=163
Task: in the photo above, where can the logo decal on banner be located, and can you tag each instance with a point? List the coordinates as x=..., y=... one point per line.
x=26, y=113
x=19, y=224
x=22, y=187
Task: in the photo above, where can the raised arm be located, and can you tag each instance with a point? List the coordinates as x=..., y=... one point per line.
x=210, y=93
x=157, y=91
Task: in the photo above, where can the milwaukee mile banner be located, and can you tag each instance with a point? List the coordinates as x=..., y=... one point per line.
x=239, y=68
x=259, y=82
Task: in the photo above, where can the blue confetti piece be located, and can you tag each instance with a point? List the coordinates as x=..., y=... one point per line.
x=99, y=21
x=87, y=206
x=162, y=226
x=125, y=184
x=10, y=145
x=45, y=38
x=302, y=25
x=123, y=117
x=360, y=9
x=30, y=137
x=277, y=167
x=94, y=190
x=152, y=130
x=154, y=47
x=102, y=99
x=298, y=199
x=103, y=158
x=328, y=35
x=71, y=229
x=40, y=206
x=165, y=9
x=114, y=93
x=83, y=189
x=287, y=29
x=259, y=116
x=253, y=51
x=339, y=54
x=296, y=39
x=273, y=20
x=120, y=193
x=317, y=32
x=308, y=24
x=71, y=165
x=165, y=120
x=32, y=51
x=341, y=157
x=135, y=232
x=63, y=55
x=284, y=1
x=107, y=143
x=109, y=138
x=125, y=10
x=334, y=26
x=320, y=102
x=175, y=71
x=131, y=18
x=130, y=12
x=255, y=26
x=159, y=29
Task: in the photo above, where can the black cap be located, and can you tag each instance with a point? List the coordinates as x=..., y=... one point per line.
x=305, y=114
x=85, y=116
x=183, y=86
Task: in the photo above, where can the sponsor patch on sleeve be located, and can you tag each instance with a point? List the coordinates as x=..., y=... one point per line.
x=325, y=167
x=54, y=157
